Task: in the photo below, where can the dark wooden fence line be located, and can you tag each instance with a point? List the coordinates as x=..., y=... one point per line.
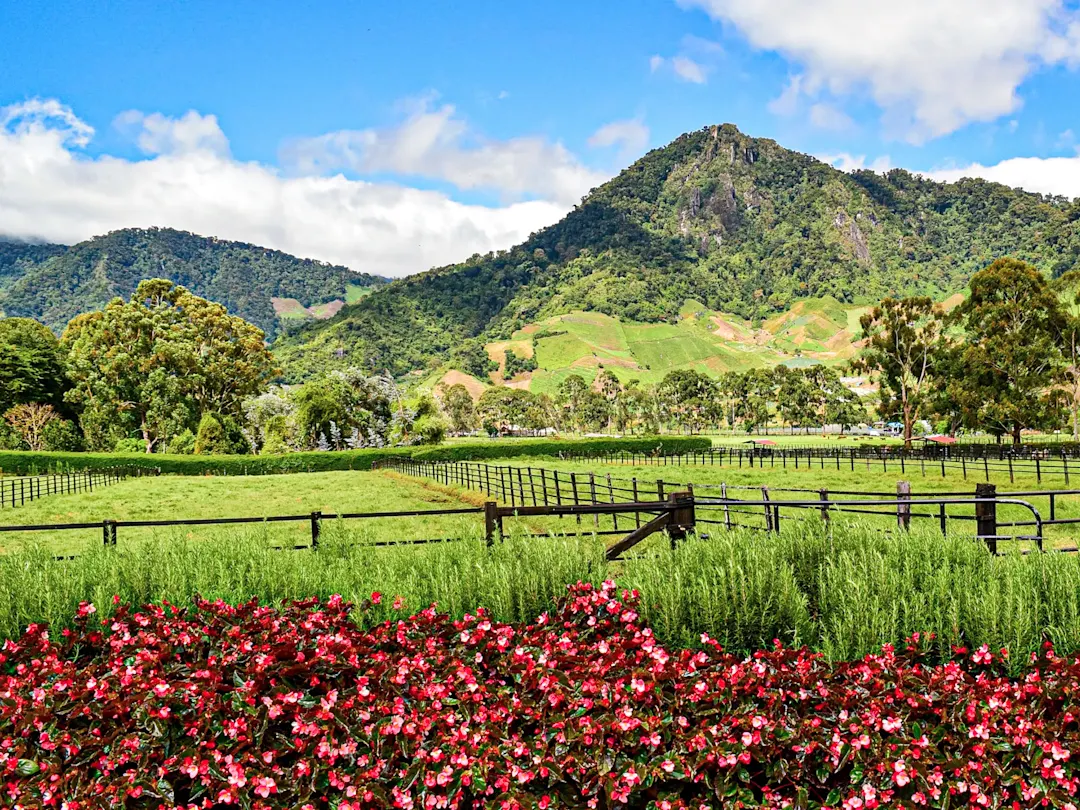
x=1042, y=463
x=523, y=486
x=20, y=490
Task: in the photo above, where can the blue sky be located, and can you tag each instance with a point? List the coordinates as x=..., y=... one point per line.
x=391, y=137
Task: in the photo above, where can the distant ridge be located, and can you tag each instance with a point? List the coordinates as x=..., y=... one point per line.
x=53, y=283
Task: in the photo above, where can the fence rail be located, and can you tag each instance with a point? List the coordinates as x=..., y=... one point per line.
x=20, y=490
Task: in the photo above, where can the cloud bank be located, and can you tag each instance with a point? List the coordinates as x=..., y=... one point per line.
x=51, y=190
x=932, y=66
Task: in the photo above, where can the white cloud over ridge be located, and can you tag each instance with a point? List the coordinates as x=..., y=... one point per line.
x=50, y=190
x=434, y=142
x=1054, y=175
x=630, y=135
x=932, y=66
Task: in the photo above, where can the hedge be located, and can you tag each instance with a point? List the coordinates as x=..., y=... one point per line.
x=552, y=447
x=17, y=462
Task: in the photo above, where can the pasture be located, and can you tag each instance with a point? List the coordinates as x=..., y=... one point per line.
x=177, y=497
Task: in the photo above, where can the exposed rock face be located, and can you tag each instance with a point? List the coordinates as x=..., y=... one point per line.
x=858, y=241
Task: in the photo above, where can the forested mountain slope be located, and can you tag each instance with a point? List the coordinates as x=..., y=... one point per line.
x=53, y=283
x=739, y=224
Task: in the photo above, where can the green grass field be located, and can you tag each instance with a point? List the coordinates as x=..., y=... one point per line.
x=193, y=497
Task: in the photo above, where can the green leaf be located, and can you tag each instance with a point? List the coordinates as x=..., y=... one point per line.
x=27, y=767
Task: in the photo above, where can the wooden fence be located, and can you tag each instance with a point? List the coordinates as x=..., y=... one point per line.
x=532, y=490
x=17, y=491
x=1042, y=464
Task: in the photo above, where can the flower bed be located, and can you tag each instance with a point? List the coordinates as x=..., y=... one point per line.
x=259, y=707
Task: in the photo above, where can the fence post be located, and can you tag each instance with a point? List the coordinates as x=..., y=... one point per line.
x=683, y=518
x=316, y=521
x=986, y=515
x=768, y=511
x=108, y=531
x=1065, y=466
x=1011, y=479
x=903, y=510
x=727, y=512
x=637, y=515
x=573, y=486
x=611, y=498
x=824, y=493
x=592, y=493
x=1038, y=470
x=492, y=522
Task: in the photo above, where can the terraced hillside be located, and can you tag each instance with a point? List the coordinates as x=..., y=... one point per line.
x=816, y=330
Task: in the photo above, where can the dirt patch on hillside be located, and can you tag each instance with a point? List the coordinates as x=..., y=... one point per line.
x=724, y=329
x=324, y=311
x=472, y=385
x=841, y=340
x=953, y=301
x=521, y=381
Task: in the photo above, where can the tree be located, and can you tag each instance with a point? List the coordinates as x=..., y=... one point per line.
x=501, y=408
x=31, y=364
x=31, y=420
x=1068, y=287
x=269, y=423
x=689, y=399
x=459, y=408
x=570, y=396
x=1011, y=365
x=903, y=338
x=346, y=409
x=152, y=365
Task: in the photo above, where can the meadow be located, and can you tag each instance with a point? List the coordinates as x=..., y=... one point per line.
x=178, y=497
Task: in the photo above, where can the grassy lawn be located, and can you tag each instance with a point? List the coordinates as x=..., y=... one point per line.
x=190, y=497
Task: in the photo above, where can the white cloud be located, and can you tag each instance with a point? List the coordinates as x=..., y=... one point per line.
x=433, y=142
x=157, y=134
x=826, y=116
x=686, y=68
x=931, y=66
x=1054, y=175
x=52, y=191
x=787, y=103
x=630, y=135
x=846, y=162
x=695, y=60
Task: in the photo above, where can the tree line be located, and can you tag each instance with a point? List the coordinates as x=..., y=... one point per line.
x=685, y=400
x=168, y=371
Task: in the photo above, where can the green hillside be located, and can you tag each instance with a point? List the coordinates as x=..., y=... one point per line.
x=739, y=227
x=53, y=283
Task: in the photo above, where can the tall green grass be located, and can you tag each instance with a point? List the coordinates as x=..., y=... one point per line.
x=516, y=579
x=850, y=590
x=845, y=589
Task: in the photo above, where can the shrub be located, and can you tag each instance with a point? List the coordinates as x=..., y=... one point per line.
x=553, y=447
x=210, y=438
x=62, y=435
x=129, y=445
x=298, y=707
x=182, y=444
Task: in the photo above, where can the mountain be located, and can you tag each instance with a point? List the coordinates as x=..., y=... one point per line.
x=17, y=258
x=739, y=226
x=53, y=283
